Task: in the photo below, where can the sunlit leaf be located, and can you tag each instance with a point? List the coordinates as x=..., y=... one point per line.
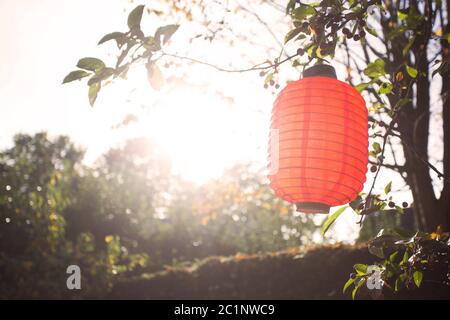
x=290, y=6
x=405, y=258
x=291, y=34
x=411, y=71
x=446, y=37
x=363, y=86
x=388, y=187
x=135, y=17
x=91, y=64
x=376, y=147
x=360, y=268
x=93, y=92
x=327, y=224
x=112, y=36
x=402, y=15
x=408, y=46
x=357, y=286
x=375, y=69
x=393, y=256
x=348, y=284
x=166, y=32
x=386, y=88
x=303, y=11
x=418, y=276
x=75, y=75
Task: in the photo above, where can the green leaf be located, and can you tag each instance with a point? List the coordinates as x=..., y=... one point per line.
x=402, y=15
x=446, y=37
x=375, y=69
x=91, y=64
x=348, y=284
x=402, y=102
x=388, y=187
x=400, y=281
x=166, y=32
x=397, y=284
x=291, y=34
x=311, y=50
x=393, y=256
x=135, y=17
x=397, y=32
x=408, y=46
x=302, y=12
x=411, y=71
x=331, y=219
x=418, y=276
x=290, y=6
x=93, y=92
x=155, y=77
x=75, y=75
x=386, y=88
x=357, y=286
x=372, y=31
x=268, y=77
x=112, y=36
x=354, y=291
x=362, y=86
x=101, y=75
x=360, y=268
x=405, y=258
x=376, y=147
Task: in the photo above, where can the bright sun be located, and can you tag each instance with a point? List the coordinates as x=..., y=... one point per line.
x=202, y=133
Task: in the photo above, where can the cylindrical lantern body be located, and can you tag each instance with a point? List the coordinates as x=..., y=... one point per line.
x=318, y=146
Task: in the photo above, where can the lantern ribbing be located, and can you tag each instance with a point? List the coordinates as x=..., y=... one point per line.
x=322, y=147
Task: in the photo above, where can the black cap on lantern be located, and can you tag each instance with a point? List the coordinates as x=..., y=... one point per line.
x=320, y=70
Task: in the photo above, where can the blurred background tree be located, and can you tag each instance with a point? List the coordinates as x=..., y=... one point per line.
x=125, y=215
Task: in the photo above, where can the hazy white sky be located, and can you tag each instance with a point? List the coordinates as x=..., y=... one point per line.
x=40, y=42
x=43, y=40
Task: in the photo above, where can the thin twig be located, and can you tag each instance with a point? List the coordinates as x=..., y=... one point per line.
x=254, y=68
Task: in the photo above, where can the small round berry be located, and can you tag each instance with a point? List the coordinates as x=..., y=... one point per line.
x=352, y=275
x=356, y=37
x=262, y=74
x=373, y=169
x=272, y=83
x=362, y=34
x=300, y=51
x=391, y=204
x=277, y=86
x=305, y=24
x=405, y=204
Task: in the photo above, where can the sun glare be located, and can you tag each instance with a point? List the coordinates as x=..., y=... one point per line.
x=202, y=133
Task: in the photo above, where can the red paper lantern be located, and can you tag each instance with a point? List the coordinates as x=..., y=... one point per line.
x=319, y=142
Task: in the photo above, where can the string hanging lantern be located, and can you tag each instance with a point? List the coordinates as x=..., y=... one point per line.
x=318, y=146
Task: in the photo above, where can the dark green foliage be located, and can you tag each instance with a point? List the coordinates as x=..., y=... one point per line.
x=407, y=262
x=126, y=215
x=314, y=273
